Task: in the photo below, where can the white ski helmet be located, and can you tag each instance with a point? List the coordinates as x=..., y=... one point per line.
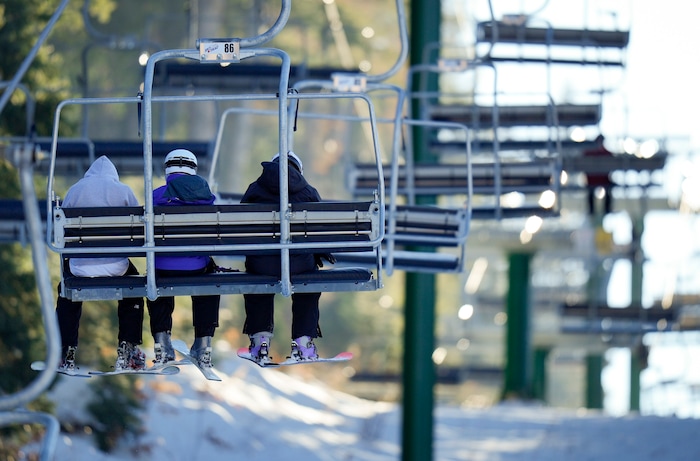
x=180, y=161
x=292, y=159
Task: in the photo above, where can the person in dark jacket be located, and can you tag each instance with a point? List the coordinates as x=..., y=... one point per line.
x=183, y=187
x=259, y=308
x=599, y=183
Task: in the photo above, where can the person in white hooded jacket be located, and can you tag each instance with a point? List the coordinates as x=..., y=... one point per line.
x=100, y=187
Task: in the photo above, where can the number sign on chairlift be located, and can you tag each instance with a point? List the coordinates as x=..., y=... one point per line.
x=219, y=50
x=349, y=83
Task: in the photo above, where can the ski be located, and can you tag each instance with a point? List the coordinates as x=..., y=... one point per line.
x=41, y=366
x=244, y=353
x=341, y=357
x=167, y=370
x=182, y=348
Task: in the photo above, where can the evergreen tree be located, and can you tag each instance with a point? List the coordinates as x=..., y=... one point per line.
x=115, y=406
x=21, y=22
x=21, y=326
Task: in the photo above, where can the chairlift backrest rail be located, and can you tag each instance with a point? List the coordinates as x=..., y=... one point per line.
x=568, y=115
x=452, y=179
x=225, y=230
x=503, y=32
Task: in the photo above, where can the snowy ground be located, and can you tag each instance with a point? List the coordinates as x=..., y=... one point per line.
x=257, y=414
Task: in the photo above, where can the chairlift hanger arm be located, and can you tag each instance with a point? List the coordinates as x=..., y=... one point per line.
x=195, y=54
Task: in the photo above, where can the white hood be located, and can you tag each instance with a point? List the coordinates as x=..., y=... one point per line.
x=100, y=187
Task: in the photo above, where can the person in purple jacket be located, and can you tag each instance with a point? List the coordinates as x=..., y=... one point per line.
x=183, y=187
x=259, y=308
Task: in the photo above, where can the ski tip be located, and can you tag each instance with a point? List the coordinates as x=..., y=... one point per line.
x=344, y=356
x=180, y=346
x=170, y=370
x=41, y=366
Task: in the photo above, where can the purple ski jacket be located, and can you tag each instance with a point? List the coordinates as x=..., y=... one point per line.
x=182, y=189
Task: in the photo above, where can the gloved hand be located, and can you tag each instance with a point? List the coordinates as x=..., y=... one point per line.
x=319, y=257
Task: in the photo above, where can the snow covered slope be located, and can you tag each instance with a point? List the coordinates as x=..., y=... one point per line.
x=258, y=414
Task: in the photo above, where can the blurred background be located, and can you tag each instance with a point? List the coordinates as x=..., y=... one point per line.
x=613, y=306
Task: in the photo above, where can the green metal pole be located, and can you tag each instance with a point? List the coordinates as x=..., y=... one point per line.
x=419, y=329
x=636, y=366
x=636, y=300
x=518, y=367
x=638, y=261
x=539, y=374
x=594, y=385
x=418, y=368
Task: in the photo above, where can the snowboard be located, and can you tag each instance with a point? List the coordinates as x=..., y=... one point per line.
x=342, y=357
x=41, y=366
x=182, y=348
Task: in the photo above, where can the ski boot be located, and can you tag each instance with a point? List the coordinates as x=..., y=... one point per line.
x=260, y=347
x=163, y=349
x=129, y=357
x=304, y=349
x=67, y=363
x=201, y=351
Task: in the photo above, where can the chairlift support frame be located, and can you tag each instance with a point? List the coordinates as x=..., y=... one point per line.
x=498, y=167
x=357, y=84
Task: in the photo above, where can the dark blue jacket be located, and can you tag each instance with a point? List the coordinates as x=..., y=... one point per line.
x=266, y=189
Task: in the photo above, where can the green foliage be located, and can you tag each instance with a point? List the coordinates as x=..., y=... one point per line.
x=48, y=80
x=21, y=22
x=9, y=183
x=21, y=327
x=115, y=405
x=54, y=69
x=20, y=319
